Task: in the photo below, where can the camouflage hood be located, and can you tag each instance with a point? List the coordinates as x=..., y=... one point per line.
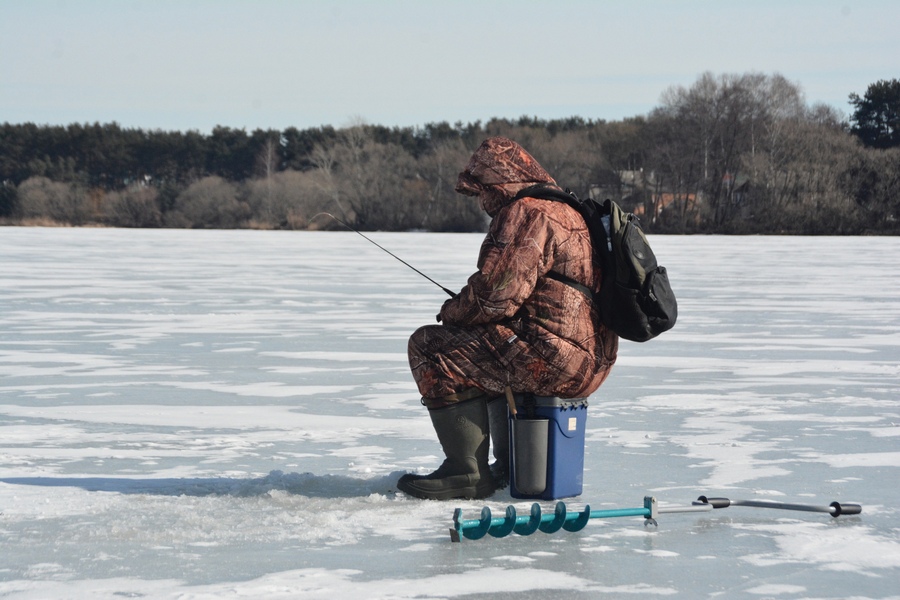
x=497, y=171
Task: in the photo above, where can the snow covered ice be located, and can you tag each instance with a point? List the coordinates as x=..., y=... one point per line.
x=221, y=414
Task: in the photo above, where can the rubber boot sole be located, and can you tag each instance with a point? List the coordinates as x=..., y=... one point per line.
x=446, y=488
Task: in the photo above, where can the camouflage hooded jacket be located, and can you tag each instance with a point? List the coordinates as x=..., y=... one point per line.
x=529, y=238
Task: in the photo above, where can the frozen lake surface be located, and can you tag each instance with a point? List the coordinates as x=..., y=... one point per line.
x=223, y=414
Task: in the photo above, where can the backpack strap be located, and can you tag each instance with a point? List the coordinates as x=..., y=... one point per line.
x=546, y=191
x=571, y=283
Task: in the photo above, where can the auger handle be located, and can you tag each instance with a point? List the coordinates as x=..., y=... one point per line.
x=848, y=508
x=835, y=509
x=715, y=502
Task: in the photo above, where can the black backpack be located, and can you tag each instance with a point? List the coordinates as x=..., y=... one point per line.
x=635, y=300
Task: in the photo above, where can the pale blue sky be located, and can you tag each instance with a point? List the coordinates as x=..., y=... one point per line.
x=194, y=64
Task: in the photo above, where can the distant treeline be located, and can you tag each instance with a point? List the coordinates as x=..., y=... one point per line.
x=730, y=154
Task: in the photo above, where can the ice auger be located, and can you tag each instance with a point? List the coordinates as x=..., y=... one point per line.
x=561, y=518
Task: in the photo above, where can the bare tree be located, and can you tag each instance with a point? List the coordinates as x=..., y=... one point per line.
x=211, y=202
x=324, y=159
x=41, y=198
x=267, y=164
x=441, y=207
x=286, y=200
x=372, y=183
x=735, y=127
x=133, y=207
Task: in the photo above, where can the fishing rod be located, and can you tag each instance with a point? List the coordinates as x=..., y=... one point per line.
x=448, y=292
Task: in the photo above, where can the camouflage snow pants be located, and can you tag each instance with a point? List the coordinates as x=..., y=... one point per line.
x=447, y=362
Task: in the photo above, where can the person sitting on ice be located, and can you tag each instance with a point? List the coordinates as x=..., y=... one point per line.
x=513, y=324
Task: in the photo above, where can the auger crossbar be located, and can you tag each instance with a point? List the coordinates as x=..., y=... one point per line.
x=561, y=518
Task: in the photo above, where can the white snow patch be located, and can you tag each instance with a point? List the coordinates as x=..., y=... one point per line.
x=830, y=547
x=775, y=589
x=860, y=459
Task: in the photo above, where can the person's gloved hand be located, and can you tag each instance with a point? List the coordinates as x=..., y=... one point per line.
x=444, y=306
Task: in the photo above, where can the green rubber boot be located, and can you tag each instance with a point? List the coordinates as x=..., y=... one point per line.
x=462, y=430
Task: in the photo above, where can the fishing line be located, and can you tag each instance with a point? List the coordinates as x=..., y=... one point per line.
x=380, y=247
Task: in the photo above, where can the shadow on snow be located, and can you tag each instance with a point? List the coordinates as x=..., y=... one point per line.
x=303, y=484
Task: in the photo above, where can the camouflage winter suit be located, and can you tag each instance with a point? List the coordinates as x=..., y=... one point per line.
x=512, y=324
